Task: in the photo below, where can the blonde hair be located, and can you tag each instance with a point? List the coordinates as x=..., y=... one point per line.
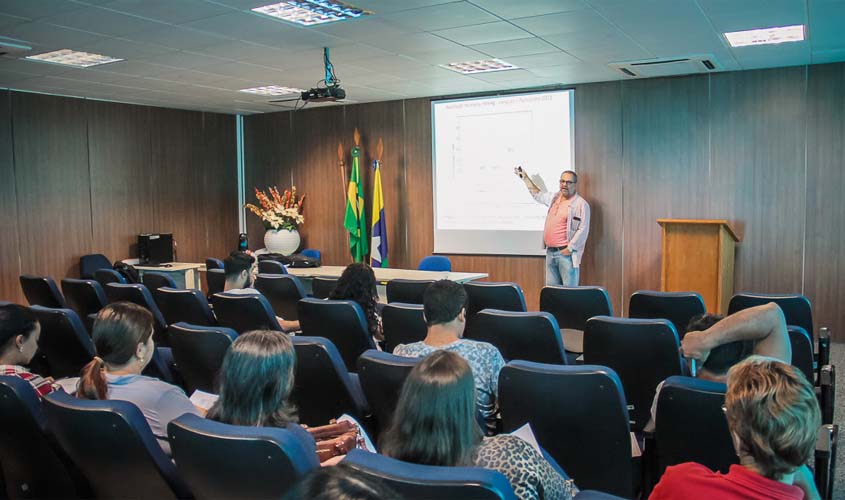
x=773, y=411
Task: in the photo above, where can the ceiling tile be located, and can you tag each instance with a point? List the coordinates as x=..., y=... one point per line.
x=729, y=15
x=35, y=9
x=42, y=36
x=508, y=9
x=363, y=30
x=438, y=17
x=98, y=20
x=125, y=49
x=564, y=22
x=412, y=43
x=484, y=33
x=521, y=47
x=168, y=11
x=543, y=60
x=446, y=56
x=8, y=20
x=178, y=37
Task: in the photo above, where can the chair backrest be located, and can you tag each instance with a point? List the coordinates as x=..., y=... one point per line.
x=184, y=305
x=140, y=295
x=216, y=280
x=573, y=306
x=233, y=462
x=283, y=291
x=112, y=444
x=418, y=482
x=796, y=307
x=153, y=280
x=531, y=336
x=199, y=352
x=342, y=322
x=407, y=291
x=802, y=351
x=691, y=426
x=64, y=341
x=42, y=291
x=677, y=307
x=643, y=352
x=323, y=389
x=311, y=253
x=382, y=375
x=85, y=296
x=106, y=276
x=579, y=416
x=435, y=263
x=32, y=467
x=88, y=264
x=503, y=296
x=243, y=313
x=271, y=267
x=213, y=263
x=323, y=286
x=402, y=324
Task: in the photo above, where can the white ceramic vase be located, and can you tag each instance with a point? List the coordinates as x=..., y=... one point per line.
x=283, y=241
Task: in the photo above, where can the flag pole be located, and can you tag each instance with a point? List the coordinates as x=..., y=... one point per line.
x=343, y=180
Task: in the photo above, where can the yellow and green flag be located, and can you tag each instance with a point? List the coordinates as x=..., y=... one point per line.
x=355, y=221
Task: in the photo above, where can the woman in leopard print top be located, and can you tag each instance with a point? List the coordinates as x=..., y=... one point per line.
x=434, y=424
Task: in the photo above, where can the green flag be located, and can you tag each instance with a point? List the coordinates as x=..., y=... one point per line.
x=355, y=221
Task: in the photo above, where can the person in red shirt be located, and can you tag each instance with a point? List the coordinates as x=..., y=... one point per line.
x=773, y=416
x=19, y=333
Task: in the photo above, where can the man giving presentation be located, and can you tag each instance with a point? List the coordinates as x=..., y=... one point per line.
x=566, y=229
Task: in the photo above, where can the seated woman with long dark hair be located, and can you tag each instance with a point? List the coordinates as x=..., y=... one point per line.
x=435, y=424
x=358, y=283
x=19, y=332
x=123, y=339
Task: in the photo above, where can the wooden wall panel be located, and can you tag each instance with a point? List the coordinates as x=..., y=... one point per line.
x=53, y=183
x=665, y=126
x=419, y=212
x=825, y=240
x=10, y=265
x=598, y=159
x=757, y=173
x=122, y=189
x=218, y=199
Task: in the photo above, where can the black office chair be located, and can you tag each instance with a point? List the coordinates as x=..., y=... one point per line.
x=199, y=352
x=111, y=443
x=271, y=267
x=323, y=389
x=233, y=462
x=382, y=376
x=691, y=426
x=677, y=307
x=802, y=351
x=86, y=297
x=322, y=287
x=402, y=324
x=243, y=313
x=407, y=291
x=184, y=305
x=579, y=416
x=33, y=467
x=216, y=280
x=88, y=264
x=530, y=336
x=424, y=482
x=42, y=291
x=153, y=280
x=283, y=291
x=213, y=263
x=340, y=321
x=64, y=341
x=140, y=295
x=642, y=352
x=572, y=307
x=106, y=276
x=503, y=296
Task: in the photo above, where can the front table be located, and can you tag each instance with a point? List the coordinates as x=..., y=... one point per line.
x=185, y=274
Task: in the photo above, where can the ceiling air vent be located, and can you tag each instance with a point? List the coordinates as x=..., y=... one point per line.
x=9, y=49
x=667, y=66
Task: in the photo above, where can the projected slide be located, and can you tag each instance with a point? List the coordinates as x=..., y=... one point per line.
x=480, y=205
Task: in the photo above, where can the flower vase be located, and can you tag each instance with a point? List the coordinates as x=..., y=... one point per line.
x=283, y=241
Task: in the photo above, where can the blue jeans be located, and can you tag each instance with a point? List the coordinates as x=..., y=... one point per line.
x=559, y=270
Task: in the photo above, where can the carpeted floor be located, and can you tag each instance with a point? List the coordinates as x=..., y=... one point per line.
x=837, y=358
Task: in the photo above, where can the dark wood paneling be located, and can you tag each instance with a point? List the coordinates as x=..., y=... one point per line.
x=825, y=241
x=598, y=159
x=665, y=124
x=757, y=173
x=218, y=199
x=53, y=184
x=10, y=266
x=419, y=213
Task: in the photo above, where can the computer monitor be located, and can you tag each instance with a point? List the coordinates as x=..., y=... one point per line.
x=155, y=249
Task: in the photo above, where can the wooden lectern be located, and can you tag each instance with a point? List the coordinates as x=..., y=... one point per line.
x=698, y=255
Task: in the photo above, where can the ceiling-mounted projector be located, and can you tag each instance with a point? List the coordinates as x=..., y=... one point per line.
x=329, y=91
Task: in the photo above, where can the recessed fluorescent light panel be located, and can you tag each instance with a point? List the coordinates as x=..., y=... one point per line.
x=272, y=90
x=766, y=36
x=74, y=58
x=311, y=12
x=485, y=66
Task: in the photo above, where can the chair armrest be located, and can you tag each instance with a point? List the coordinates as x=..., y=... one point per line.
x=825, y=460
x=650, y=464
x=827, y=392
x=824, y=346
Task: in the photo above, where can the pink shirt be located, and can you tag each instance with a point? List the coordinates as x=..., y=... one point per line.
x=554, y=234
